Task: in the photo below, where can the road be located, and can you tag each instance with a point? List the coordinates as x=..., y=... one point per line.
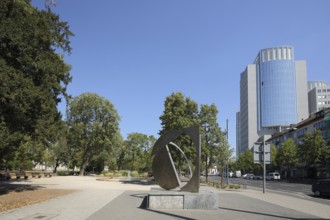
x=297, y=190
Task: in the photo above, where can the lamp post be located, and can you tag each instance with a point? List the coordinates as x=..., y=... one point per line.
x=227, y=168
x=260, y=148
x=264, y=166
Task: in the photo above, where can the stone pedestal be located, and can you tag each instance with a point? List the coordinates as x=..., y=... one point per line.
x=175, y=199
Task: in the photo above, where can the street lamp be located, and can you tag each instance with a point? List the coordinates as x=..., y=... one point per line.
x=263, y=160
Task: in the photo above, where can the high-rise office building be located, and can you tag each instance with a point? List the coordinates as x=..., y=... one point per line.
x=273, y=95
x=238, y=136
x=318, y=96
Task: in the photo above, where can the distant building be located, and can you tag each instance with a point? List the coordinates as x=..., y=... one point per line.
x=318, y=96
x=273, y=95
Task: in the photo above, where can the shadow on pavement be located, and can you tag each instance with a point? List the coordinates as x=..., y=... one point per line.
x=7, y=188
x=262, y=214
x=143, y=182
x=326, y=197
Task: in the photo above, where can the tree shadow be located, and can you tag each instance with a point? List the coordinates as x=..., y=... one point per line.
x=143, y=182
x=8, y=187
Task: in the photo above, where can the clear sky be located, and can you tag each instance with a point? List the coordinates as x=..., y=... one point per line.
x=137, y=52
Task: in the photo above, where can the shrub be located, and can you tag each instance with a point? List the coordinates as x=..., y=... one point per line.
x=135, y=174
x=63, y=173
x=124, y=173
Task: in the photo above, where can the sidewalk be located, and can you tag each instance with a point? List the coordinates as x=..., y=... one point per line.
x=95, y=200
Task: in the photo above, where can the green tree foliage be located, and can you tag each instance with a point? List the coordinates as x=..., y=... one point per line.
x=213, y=142
x=273, y=155
x=137, y=151
x=287, y=155
x=311, y=149
x=223, y=153
x=245, y=161
x=33, y=76
x=179, y=112
x=93, y=126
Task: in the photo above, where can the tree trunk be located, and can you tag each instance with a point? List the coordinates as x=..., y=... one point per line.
x=83, y=167
x=84, y=164
x=206, y=169
x=56, y=166
x=222, y=174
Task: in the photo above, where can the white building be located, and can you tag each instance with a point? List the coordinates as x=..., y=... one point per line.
x=318, y=96
x=273, y=95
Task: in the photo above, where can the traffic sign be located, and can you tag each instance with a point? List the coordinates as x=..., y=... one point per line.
x=258, y=153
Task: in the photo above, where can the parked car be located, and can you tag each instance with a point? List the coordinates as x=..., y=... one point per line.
x=237, y=174
x=248, y=176
x=321, y=187
x=273, y=176
x=257, y=178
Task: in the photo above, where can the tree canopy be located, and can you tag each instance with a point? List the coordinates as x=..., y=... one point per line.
x=180, y=112
x=287, y=155
x=213, y=140
x=93, y=125
x=311, y=149
x=33, y=75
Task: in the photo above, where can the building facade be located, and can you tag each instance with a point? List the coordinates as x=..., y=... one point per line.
x=238, y=136
x=248, y=110
x=318, y=96
x=273, y=95
x=317, y=121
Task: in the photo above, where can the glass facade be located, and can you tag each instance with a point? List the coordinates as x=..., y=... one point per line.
x=276, y=82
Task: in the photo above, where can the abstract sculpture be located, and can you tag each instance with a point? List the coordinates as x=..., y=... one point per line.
x=163, y=167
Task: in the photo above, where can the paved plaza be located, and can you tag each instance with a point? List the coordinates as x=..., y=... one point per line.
x=124, y=199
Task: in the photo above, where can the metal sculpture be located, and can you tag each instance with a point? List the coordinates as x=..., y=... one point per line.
x=163, y=167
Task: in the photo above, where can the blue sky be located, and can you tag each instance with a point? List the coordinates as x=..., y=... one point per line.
x=137, y=52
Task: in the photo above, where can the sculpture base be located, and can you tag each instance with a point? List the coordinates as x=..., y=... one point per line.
x=175, y=199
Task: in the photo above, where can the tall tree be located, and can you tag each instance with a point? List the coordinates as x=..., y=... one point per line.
x=211, y=135
x=273, y=156
x=93, y=123
x=310, y=151
x=33, y=75
x=138, y=147
x=287, y=155
x=245, y=161
x=224, y=153
x=179, y=112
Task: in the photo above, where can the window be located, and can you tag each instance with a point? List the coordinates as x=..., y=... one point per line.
x=324, y=90
x=289, y=53
x=270, y=54
x=279, y=53
x=274, y=54
x=284, y=53
x=328, y=90
x=319, y=125
x=319, y=90
x=263, y=56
